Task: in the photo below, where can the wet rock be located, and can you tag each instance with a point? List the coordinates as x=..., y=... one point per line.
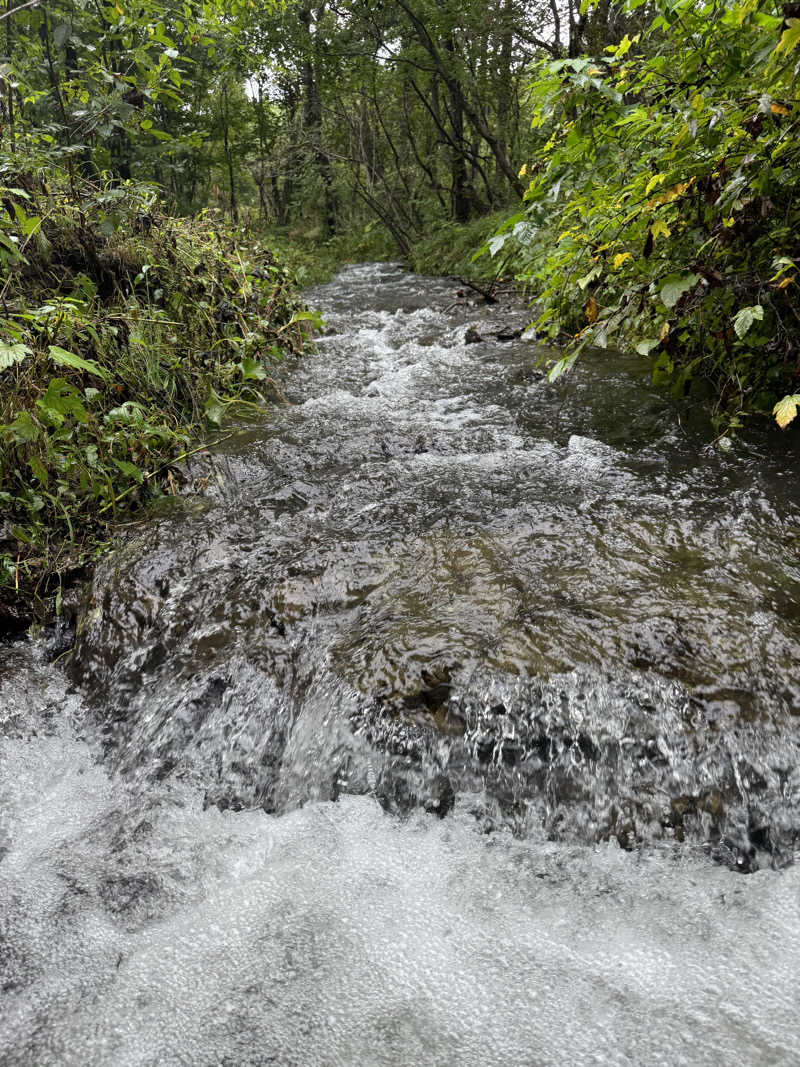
x=14, y=617
x=593, y=758
x=472, y=337
x=442, y=796
x=512, y=332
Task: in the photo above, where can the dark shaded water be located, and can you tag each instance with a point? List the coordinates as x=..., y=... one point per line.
x=443, y=724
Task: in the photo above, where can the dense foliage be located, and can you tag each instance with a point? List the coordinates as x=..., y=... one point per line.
x=325, y=116
x=662, y=207
x=120, y=345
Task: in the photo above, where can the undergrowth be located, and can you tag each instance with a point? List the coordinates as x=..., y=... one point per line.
x=126, y=336
x=314, y=259
x=450, y=249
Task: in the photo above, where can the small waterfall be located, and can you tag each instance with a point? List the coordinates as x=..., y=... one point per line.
x=440, y=726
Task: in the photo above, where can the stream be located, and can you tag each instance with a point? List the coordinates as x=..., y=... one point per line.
x=454, y=718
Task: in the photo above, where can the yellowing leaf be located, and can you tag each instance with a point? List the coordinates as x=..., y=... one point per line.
x=673, y=193
x=784, y=283
x=790, y=37
x=592, y=310
x=786, y=409
x=523, y=170
x=677, y=190
x=779, y=109
x=620, y=259
x=664, y=332
x=657, y=179
x=660, y=229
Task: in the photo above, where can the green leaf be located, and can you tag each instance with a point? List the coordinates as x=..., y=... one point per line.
x=557, y=370
x=60, y=400
x=663, y=369
x=11, y=354
x=39, y=472
x=645, y=347
x=745, y=318
x=790, y=37
x=24, y=429
x=657, y=179
x=62, y=358
x=595, y=272
x=675, y=286
x=314, y=317
x=130, y=411
x=61, y=34
x=128, y=468
x=252, y=369
x=564, y=364
x=214, y=408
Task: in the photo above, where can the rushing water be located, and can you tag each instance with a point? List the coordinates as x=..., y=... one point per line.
x=441, y=726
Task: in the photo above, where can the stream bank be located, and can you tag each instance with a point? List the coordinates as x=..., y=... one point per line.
x=458, y=720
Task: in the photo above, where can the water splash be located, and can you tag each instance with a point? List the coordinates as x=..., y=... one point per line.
x=441, y=726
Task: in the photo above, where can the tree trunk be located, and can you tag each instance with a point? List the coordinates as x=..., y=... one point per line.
x=313, y=121
x=229, y=155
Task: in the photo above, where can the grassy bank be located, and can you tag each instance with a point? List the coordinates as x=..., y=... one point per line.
x=449, y=248
x=314, y=259
x=126, y=336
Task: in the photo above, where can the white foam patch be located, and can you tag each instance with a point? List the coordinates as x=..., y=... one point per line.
x=150, y=932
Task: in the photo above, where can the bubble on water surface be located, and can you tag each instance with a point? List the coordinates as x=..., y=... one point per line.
x=149, y=930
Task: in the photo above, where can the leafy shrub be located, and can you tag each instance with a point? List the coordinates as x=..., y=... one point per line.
x=124, y=336
x=662, y=210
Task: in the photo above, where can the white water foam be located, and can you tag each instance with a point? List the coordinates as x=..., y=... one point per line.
x=144, y=931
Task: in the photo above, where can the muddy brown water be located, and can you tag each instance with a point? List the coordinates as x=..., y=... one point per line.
x=457, y=718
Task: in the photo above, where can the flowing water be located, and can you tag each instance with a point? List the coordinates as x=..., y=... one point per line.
x=453, y=720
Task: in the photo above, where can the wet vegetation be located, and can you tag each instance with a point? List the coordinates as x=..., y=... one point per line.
x=128, y=336
x=661, y=210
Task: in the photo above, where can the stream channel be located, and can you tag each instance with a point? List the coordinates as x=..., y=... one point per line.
x=454, y=722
